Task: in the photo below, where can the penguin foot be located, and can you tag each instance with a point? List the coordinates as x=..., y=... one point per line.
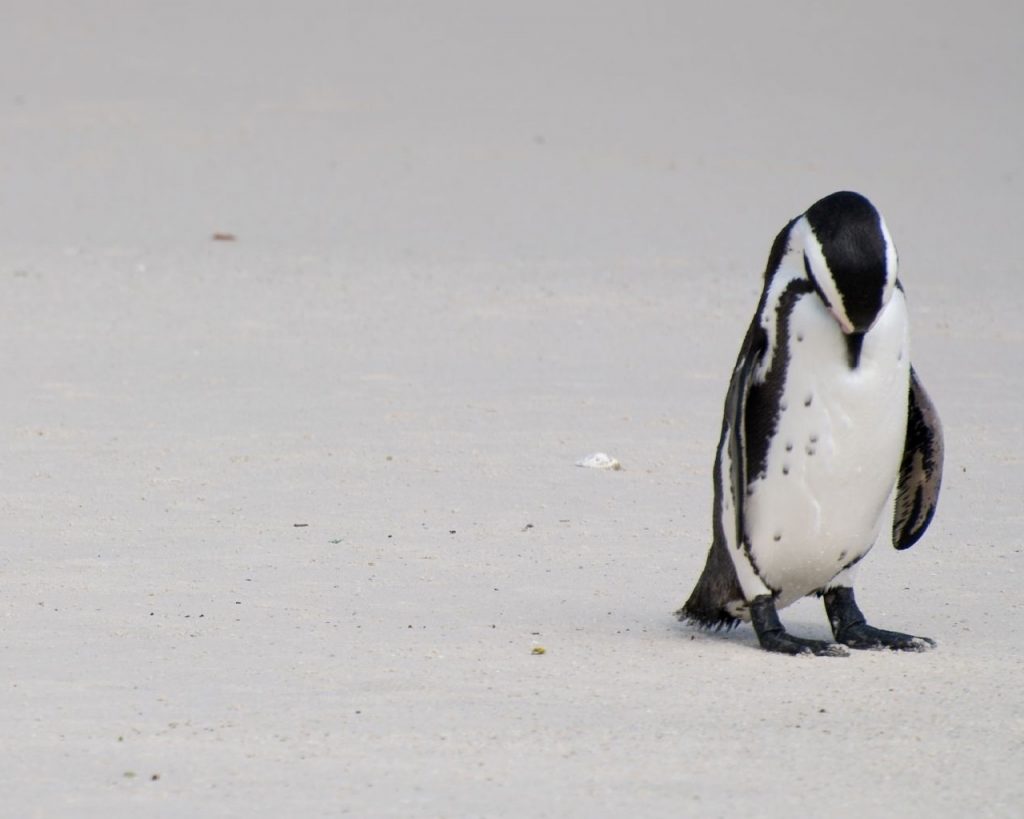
x=851, y=629
x=864, y=636
x=772, y=635
x=786, y=643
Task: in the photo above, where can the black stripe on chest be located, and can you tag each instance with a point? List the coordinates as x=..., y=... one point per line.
x=764, y=400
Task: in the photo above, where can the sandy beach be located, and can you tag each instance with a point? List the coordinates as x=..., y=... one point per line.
x=288, y=514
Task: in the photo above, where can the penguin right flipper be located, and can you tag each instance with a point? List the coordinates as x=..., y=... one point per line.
x=718, y=591
x=751, y=354
x=920, y=470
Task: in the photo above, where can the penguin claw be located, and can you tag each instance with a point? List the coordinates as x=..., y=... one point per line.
x=863, y=636
x=831, y=650
x=785, y=643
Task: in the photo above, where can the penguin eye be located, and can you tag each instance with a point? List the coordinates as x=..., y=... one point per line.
x=814, y=282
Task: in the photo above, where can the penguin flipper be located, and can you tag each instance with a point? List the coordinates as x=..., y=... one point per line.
x=736, y=421
x=920, y=476
x=712, y=604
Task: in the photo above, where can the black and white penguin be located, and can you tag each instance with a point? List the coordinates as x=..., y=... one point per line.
x=828, y=436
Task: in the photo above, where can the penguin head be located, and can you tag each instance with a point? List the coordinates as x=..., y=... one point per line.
x=849, y=258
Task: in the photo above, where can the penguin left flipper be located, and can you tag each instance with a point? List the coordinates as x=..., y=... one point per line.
x=917, y=492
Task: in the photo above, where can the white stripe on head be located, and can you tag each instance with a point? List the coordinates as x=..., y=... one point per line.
x=821, y=275
x=892, y=261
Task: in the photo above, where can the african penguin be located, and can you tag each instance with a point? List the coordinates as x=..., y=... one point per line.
x=828, y=436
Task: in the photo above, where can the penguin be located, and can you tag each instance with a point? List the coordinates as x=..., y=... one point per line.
x=828, y=438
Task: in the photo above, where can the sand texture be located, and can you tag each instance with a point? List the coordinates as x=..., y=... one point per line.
x=285, y=515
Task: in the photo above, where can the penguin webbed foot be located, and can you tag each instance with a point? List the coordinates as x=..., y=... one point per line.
x=851, y=629
x=772, y=635
x=869, y=637
x=786, y=643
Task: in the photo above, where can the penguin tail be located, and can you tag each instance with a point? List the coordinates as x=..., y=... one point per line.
x=716, y=594
x=711, y=619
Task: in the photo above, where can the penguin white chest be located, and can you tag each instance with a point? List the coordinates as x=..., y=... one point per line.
x=833, y=460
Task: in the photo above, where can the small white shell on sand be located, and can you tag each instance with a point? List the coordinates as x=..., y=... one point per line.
x=599, y=460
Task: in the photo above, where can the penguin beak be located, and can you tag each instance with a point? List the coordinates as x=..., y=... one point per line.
x=848, y=327
x=844, y=323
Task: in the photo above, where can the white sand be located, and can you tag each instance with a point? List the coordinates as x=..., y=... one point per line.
x=475, y=243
